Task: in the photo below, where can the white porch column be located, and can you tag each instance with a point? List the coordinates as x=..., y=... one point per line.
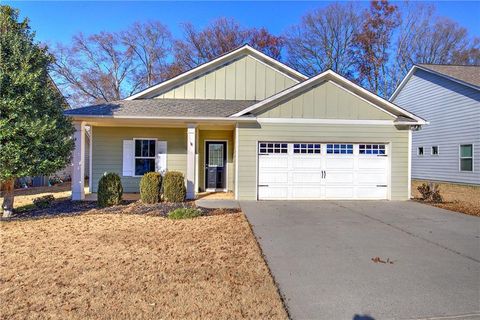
x=191, y=165
x=78, y=162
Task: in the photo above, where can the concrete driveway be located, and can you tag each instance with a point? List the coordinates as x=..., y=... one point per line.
x=320, y=254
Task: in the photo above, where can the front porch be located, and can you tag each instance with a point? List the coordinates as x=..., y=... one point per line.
x=203, y=151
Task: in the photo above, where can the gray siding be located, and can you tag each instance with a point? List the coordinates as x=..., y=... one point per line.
x=242, y=79
x=453, y=111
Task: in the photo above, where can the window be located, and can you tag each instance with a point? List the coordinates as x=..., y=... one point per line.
x=371, y=149
x=420, y=151
x=466, y=157
x=306, y=148
x=273, y=147
x=434, y=150
x=144, y=156
x=340, y=148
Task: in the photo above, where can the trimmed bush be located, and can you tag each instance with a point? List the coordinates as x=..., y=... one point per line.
x=184, y=213
x=110, y=190
x=430, y=192
x=425, y=191
x=150, y=187
x=174, y=186
x=44, y=202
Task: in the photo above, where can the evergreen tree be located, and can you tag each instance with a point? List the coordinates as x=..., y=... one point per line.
x=35, y=136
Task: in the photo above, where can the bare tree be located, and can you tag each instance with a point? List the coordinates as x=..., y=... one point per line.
x=94, y=69
x=219, y=37
x=323, y=40
x=150, y=44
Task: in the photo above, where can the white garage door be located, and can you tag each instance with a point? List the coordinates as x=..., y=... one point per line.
x=322, y=171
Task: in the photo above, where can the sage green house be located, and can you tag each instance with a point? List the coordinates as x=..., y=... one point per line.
x=249, y=124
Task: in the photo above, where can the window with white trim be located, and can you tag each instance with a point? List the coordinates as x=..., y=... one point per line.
x=371, y=149
x=309, y=148
x=420, y=151
x=466, y=157
x=273, y=147
x=434, y=151
x=340, y=148
x=144, y=156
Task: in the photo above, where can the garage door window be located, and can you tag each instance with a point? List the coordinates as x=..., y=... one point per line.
x=372, y=149
x=266, y=148
x=340, y=148
x=311, y=148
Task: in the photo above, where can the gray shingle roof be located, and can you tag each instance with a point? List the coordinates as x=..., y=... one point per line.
x=468, y=74
x=164, y=108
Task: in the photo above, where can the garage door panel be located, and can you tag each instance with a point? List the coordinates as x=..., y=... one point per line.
x=306, y=193
x=273, y=177
x=312, y=162
x=372, y=163
x=272, y=192
x=372, y=178
x=306, y=171
x=339, y=162
x=272, y=162
x=339, y=192
x=307, y=177
x=372, y=192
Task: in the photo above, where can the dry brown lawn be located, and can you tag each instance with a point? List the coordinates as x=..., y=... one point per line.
x=24, y=197
x=460, y=198
x=124, y=266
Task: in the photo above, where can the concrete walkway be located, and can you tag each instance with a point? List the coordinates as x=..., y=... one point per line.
x=320, y=254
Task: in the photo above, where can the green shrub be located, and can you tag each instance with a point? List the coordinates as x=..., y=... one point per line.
x=150, y=187
x=110, y=190
x=184, y=213
x=44, y=202
x=174, y=186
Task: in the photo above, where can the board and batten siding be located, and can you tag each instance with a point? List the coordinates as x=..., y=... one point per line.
x=326, y=101
x=243, y=79
x=107, y=151
x=250, y=135
x=212, y=135
x=453, y=112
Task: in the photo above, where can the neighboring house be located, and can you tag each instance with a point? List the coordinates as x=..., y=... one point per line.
x=247, y=123
x=448, y=96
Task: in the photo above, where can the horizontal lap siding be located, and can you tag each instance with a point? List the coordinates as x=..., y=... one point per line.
x=248, y=136
x=453, y=111
x=205, y=135
x=107, y=151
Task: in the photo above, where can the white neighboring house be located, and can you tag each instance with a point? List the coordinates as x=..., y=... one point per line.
x=448, y=97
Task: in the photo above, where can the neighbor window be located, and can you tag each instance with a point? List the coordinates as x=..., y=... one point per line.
x=466, y=157
x=434, y=150
x=420, y=151
x=144, y=156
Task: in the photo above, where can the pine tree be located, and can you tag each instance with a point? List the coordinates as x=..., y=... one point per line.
x=35, y=136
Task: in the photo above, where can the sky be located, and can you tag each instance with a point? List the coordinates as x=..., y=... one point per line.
x=59, y=21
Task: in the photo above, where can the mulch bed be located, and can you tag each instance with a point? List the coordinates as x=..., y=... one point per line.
x=68, y=208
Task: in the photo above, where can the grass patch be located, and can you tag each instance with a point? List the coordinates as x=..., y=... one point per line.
x=184, y=213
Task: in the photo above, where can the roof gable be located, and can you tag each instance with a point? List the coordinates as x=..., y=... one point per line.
x=466, y=75
x=372, y=99
x=204, y=78
x=327, y=100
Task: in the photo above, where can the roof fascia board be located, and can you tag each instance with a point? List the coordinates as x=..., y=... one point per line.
x=192, y=73
x=317, y=79
x=403, y=83
x=228, y=119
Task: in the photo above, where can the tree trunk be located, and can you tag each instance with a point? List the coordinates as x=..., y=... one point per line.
x=8, y=195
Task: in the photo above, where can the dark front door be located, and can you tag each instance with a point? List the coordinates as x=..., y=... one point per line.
x=215, y=165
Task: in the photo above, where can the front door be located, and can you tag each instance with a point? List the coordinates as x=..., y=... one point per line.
x=215, y=165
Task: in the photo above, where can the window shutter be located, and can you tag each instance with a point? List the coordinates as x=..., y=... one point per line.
x=128, y=156
x=161, y=158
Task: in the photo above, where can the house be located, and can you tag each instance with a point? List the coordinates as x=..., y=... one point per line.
x=247, y=123
x=448, y=149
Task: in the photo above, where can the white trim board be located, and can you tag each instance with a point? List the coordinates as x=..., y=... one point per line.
x=324, y=76
x=208, y=66
x=326, y=121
